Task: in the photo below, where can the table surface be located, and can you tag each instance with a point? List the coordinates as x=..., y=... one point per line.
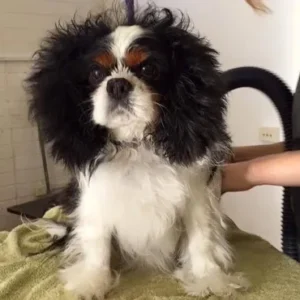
x=33, y=209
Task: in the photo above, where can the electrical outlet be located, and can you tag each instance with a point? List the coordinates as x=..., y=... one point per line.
x=269, y=134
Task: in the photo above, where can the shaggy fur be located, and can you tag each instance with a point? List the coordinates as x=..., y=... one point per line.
x=136, y=112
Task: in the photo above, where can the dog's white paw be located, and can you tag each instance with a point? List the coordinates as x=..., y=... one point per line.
x=88, y=283
x=215, y=282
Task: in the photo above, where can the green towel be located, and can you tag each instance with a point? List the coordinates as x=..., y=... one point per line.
x=22, y=277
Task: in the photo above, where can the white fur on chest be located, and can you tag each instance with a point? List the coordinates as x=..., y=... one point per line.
x=139, y=197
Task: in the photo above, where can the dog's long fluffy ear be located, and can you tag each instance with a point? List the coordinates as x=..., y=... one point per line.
x=192, y=118
x=59, y=92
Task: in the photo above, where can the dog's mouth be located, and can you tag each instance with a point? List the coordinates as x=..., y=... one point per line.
x=121, y=106
x=120, y=114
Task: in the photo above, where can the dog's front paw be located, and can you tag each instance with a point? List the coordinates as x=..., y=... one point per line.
x=215, y=282
x=87, y=282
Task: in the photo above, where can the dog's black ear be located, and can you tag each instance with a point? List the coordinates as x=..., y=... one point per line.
x=59, y=92
x=192, y=123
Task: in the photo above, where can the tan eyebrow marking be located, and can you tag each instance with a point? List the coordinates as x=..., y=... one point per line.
x=106, y=59
x=135, y=56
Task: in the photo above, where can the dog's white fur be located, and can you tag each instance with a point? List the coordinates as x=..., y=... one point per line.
x=149, y=205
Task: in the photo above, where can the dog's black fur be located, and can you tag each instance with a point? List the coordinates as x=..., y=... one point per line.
x=191, y=115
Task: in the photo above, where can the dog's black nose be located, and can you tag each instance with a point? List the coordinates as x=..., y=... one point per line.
x=118, y=88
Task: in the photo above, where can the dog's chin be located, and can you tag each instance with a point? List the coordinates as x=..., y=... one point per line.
x=112, y=118
x=126, y=123
x=123, y=125
x=119, y=117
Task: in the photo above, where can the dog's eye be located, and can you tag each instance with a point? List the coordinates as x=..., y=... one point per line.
x=96, y=75
x=149, y=71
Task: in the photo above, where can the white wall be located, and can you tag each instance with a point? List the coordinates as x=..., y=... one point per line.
x=22, y=24
x=244, y=38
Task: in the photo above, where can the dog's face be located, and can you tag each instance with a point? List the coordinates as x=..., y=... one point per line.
x=127, y=72
x=93, y=82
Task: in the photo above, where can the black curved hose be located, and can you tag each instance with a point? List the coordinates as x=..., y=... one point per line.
x=282, y=98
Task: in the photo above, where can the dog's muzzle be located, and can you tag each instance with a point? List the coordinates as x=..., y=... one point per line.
x=118, y=90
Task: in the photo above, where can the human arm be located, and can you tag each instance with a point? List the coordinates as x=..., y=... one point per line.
x=278, y=169
x=250, y=152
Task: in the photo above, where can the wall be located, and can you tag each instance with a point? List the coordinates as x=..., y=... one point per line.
x=22, y=24
x=244, y=38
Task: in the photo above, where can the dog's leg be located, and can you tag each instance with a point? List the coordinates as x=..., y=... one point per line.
x=206, y=256
x=87, y=256
x=89, y=275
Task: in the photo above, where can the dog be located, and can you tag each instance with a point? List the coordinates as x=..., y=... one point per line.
x=136, y=111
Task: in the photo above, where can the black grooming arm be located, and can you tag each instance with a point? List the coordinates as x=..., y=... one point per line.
x=282, y=98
